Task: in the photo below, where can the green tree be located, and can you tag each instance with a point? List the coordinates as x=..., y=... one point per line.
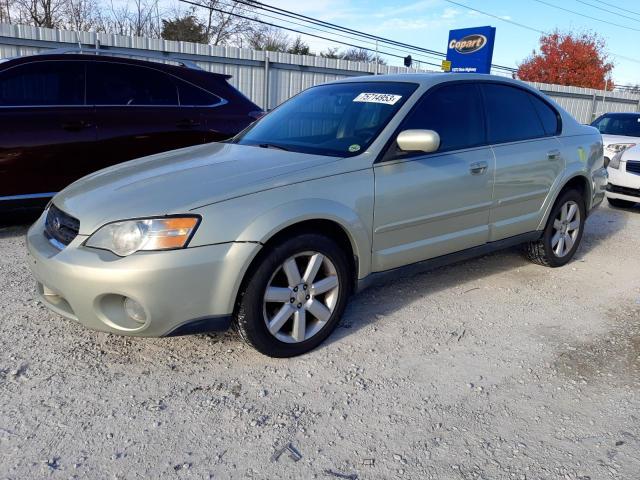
x=184, y=29
x=299, y=47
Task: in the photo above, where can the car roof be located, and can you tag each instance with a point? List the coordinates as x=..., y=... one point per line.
x=621, y=114
x=105, y=56
x=433, y=78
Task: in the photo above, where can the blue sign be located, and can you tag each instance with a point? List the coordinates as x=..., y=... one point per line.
x=470, y=50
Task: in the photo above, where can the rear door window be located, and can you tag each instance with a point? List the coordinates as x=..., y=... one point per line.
x=510, y=114
x=454, y=112
x=44, y=83
x=120, y=84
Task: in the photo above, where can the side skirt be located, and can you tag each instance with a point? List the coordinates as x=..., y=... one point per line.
x=433, y=263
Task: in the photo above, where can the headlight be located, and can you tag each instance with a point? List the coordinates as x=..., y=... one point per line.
x=619, y=147
x=615, y=161
x=130, y=236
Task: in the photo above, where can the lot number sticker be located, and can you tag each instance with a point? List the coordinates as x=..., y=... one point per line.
x=386, y=98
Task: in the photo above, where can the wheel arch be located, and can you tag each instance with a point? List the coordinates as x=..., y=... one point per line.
x=328, y=217
x=577, y=181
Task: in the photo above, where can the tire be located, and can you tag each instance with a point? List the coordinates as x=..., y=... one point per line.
x=617, y=203
x=302, y=302
x=548, y=251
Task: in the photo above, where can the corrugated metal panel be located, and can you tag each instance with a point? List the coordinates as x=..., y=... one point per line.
x=288, y=73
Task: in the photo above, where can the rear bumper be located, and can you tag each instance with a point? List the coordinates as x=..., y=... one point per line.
x=181, y=291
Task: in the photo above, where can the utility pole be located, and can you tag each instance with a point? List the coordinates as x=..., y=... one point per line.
x=376, y=72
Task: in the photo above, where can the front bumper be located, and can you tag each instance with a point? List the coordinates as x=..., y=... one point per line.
x=181, y=291
x=623, y=185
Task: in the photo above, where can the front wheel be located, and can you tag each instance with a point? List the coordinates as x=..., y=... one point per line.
x=562, y=234
x=295, y=297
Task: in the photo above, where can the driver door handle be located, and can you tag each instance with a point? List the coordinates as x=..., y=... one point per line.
x=478, y=168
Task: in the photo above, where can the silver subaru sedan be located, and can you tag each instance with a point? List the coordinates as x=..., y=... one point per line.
x=273, y=231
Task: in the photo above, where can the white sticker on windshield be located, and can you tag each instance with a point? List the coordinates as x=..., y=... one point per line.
x=386, y=98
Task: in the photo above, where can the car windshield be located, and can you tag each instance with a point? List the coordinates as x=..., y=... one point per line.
x=625, y=125
x=339, y=119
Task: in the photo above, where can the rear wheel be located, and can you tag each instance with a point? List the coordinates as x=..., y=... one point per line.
x=562, y=234
x=295, y=297
x=617, y=203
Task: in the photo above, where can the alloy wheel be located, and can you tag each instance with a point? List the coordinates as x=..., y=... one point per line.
x=566, y=228
x=300, y=297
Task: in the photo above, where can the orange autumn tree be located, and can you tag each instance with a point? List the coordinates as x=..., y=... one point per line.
x=578, y=60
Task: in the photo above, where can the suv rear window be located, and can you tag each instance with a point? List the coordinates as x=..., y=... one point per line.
x=43, y=83
x=120, y=84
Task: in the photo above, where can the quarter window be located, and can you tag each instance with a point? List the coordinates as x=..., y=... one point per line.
x=547, y=115
x=193, y=96
x=511, y=115
x=120, y=84
x=454, y=112
x=43, y=83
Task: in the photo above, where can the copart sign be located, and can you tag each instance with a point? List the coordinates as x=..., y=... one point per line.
x=471, y=49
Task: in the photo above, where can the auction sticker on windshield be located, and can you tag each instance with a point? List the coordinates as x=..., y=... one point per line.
x=386, y=98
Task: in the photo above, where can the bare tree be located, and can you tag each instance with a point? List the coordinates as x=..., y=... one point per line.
x=269, y=38
x=138, y=17
x=41, y=13
x=361, y=55
x=6, y=7
x=83, y=15
x=224, y=28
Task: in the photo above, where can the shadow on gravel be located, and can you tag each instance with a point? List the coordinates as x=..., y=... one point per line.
x=16, y=221
x=398, y=291
x=611, y=357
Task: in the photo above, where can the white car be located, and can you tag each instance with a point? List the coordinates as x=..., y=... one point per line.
x=623, y=189
x=619, y=131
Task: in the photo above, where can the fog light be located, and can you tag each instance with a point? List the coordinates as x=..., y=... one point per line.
x=134, y=310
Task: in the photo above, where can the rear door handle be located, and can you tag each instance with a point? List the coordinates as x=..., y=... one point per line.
x=553, y=154
x=478, y=168
x=187, y=123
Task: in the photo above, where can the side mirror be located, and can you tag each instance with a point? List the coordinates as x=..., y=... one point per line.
x=418, y=141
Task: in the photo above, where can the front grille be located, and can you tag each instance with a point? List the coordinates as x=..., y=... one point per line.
x=60, y=226
x=633, y=167
x=632, y=192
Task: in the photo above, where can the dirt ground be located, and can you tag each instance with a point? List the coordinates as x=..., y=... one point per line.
x=493, y=368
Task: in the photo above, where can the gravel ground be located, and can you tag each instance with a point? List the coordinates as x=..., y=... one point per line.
x=492, y=368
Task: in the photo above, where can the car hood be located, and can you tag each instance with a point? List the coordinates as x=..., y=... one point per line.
x=182, y=180
x=609, y=139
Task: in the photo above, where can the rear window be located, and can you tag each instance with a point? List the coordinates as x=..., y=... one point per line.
x=43, y=83
x=511, y=115
x=120, y=84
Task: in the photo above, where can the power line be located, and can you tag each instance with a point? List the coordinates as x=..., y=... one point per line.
x=290, y=14
x=624, y=57
x=421, y=59
x=619, y=8
x=586, y=16
x=603, y=9
x=299, y=31
x=495, y=16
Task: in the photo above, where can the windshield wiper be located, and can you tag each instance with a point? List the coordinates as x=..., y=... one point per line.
x=273, y=145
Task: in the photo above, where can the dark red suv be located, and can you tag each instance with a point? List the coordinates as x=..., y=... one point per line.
x=63, y=116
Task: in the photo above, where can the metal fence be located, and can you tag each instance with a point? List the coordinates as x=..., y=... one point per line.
x=269, y=78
